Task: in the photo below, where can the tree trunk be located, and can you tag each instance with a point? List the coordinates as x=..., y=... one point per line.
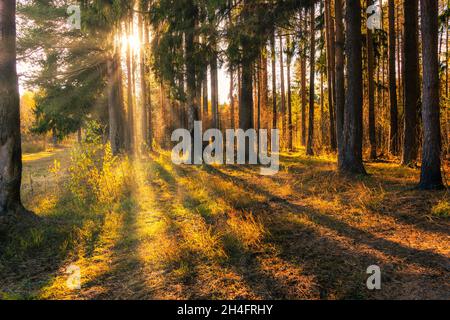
x=193, y=107
x=246, y=103
x=214, y=92
x=303, y=80
x=411, y=82
x=352, y=157
x=232, y=102
x=274, y=80
x=282, y=88
x=393, y=137
x=149, y=137
x=205, y=94
x=330, y=54
x=371, y=89
x=246, y=117
x=447, y=88
x=115, y=105
x=130, y=114
x=312, y=73
x=264, y=85
x=10, y=139
x=340, y=79
x=289, y=94
x=431, y=177
x=144, y=86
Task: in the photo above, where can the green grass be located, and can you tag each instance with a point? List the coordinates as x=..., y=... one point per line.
x=183, y=232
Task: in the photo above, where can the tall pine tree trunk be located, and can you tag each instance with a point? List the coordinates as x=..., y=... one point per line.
x=193, y=106
x=282, y=93
x=289, y=95
x=115, y=105
x=205, y=94
x=353, y=119
x=232, y=102
x=214, y=92
x=312, y=73
x=394, y=134
x=144, y=86
x=130, y=98
x=264, y=85
x=274, y=81
x=10, y=139
x=431, y=176
x=303, y=79
x=340, y=79
x=246, y=103
x=330, y=54
x=371, y=91
x=411, y=83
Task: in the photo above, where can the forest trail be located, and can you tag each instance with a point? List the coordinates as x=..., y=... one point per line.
x=213, y=232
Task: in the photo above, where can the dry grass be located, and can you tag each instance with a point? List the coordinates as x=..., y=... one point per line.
x=148, y=229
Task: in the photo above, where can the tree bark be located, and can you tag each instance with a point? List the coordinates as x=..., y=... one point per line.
x=431, y=176
x=214, y=92
x=232, y=102
x=330, y=54
x=283, y=92
x=205, y=94
x=340, y=79
x=193, y=106
x=352, y=157
x=393, y=136
x=312, y=73
x=10, y=138
x=246, y=103
x=289, y=95
x=411, y=82
x=371, y=91
x=115, y=106
x=274, y=80
x=264, y=84
x=130, y=114
x=144, y=86
x=303, y=79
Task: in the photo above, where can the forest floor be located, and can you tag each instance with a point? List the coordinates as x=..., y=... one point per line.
x=210, y=232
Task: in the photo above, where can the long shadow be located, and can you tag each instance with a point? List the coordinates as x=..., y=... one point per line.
x=26, y=271
x=422, y=257
x=386, y=207
x=126, y=267
x=239, y=258
x=328, y=271
x=242, y=260
x=186, y=260
x=306, y=175
x=337, y=268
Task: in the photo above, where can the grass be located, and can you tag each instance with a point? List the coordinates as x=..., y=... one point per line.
x=146, y=229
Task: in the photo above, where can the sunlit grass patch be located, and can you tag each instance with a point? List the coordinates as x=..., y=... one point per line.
x=246, y=228
x=200, y=238
x=441, y=209
x=159, y=246
x=93, y=256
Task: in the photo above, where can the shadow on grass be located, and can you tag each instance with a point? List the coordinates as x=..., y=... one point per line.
x=325, y=257
x=32, y=254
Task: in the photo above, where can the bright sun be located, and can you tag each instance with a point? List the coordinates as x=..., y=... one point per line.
x=132, y=40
